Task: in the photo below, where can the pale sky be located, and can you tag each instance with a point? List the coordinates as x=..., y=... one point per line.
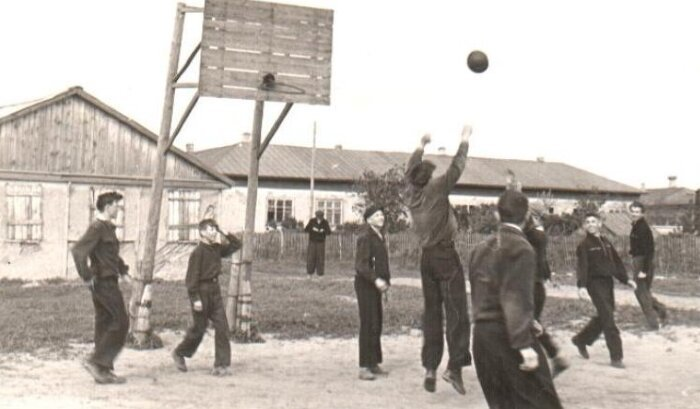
x=612, y=87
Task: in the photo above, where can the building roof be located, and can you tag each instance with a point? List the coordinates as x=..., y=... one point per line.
x=14, y=111
x=669, y=196
x=284, y=162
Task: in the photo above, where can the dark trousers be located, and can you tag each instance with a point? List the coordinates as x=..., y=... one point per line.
x=603, y=298
x=504, y=385
x=442, y=278
x=111, y=322
x=652, y=308
x=316, y=257
x=369, y=301
x=550, y=347
x=212, y=309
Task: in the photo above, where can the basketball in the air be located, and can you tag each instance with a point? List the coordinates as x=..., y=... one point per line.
x=477, y=61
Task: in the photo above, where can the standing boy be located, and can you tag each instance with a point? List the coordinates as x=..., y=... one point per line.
x=598, y=263
x=318, y=228
x=642, y=252
x=536, y=236
x=100, y=246
x=510, y=364
x=442, y=276
x=372, y=279
x=204, y=291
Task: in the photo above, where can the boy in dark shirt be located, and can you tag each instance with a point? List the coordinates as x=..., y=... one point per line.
x=100, y=246
x=318, y=228
x=642, y=252
x=204, y=291
x=598, y=263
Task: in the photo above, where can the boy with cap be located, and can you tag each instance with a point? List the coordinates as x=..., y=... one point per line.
x=598, y=263
x=203, y=288
x=318, y=228
x=510, y=364
x=372, y=279
x=442, y=276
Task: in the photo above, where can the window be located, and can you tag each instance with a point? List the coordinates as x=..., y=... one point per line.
x=24, y=212
x=95, y=192
x=332, y=210
x=183, y=215
x=279, y=210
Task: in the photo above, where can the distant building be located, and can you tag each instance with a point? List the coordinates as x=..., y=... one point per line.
x=285, y=178
x=670, y=209
x=58, y=154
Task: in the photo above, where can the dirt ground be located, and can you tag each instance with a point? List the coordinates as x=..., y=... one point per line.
x=662, y=372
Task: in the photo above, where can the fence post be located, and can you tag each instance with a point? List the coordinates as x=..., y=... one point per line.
x=281, y=244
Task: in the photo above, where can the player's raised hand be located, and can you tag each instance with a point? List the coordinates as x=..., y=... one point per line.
x=425, y=139
x=466, y=133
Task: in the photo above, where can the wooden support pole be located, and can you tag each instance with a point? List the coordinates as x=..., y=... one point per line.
x=242, y=325
x=146, y=267
x=185, y=115
x=275, y=127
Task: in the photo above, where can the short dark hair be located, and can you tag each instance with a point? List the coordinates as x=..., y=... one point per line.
x=370, y=210
x=512, y=207
x=591, y=214
x=106, y=199
x=421, y=173
x=637, y=204
x=319, y=213
x=207, y=222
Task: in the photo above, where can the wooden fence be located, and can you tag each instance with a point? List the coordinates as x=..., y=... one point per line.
x=675, y=255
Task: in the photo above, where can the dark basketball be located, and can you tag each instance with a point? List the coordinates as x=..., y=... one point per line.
x=477, y=61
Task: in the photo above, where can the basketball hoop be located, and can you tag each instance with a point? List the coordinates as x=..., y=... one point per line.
x=269, y=83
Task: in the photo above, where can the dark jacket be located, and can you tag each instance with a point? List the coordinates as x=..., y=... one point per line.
x=372, y=258
x=205, y=263
x=641, y=239
x=100, y=245
x=538, y=240
x=501, y=273
x=434, y=220
x=318, y=230
x=597, y=258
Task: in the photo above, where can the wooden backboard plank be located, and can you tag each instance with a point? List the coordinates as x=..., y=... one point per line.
x=258, y=10
x=299, y=33
x=271, y=63
x=213, y=38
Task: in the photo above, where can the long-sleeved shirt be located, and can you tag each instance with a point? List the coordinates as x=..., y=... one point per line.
x=434, y=220
x=372, y=258
x=205, y=263
x=641, y=239
x=538, y=240
x=502, y=273
x=100, y=245
x=318, y=230
x=597, y=257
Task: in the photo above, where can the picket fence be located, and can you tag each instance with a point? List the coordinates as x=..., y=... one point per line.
x=675, y=255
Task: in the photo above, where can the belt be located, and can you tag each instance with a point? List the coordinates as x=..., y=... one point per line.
x=443, y=244
x=210, y=280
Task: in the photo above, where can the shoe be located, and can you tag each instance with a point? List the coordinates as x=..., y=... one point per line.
x=454, y=377
x=378, y=371
x=179, y=362
x=559, y=365
x=617, y=364
x=99, y=374
x=221, y=371
x=429, y=381
x=366, y=374
x=114, y=378
x=581, y=349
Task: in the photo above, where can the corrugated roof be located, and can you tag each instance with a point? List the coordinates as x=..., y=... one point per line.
x=335, y=165
x=670, y=196
x=10, y=112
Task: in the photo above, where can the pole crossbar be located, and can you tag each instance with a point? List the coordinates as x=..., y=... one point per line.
x=185, y=115
x=188, y=61
x=275, y=127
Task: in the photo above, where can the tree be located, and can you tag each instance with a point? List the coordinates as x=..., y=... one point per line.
x=387, y=190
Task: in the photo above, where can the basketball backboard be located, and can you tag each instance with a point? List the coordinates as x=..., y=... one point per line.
x=243, y=41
